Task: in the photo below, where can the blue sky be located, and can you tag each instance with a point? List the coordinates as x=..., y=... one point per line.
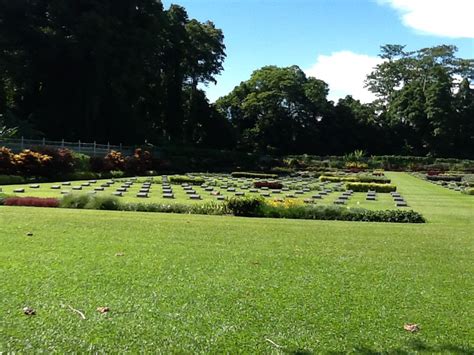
x=335, y=40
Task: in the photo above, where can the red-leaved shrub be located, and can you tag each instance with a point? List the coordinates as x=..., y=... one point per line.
x=31, y=201
x=7, y=165
x=270, y=184
x=139, y=162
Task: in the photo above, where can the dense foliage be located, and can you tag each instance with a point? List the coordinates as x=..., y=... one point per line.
x=247, y=207
x=132, y=71
x=425, y=106
x=107, y=70
x=184, y=179
x=244, y=174
x=367, y=186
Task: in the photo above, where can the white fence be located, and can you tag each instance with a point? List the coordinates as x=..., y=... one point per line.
x=92, y=149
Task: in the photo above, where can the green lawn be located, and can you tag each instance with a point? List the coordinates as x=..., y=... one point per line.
x=384, y=200
x=218, y=284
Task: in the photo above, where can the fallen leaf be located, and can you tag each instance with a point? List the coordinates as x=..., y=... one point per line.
x=29, y=311
x=103, y=309
x=411, y=327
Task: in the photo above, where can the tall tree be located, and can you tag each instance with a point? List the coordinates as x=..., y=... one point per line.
x=415, y=95
x=277, y=110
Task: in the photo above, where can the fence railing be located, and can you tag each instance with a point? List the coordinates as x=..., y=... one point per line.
x=92, y=149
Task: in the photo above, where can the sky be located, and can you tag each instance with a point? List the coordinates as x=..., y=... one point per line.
x=337, y=41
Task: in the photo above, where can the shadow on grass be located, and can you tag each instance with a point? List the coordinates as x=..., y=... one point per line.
x=415, y=345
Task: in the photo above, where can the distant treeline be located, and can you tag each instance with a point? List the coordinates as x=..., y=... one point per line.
x=131, y=71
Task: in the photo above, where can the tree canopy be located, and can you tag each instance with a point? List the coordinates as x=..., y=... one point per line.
x=122, y=70
x=131, y=71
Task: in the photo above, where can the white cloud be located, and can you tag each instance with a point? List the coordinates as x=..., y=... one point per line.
x=345, y=72
x=445, y=18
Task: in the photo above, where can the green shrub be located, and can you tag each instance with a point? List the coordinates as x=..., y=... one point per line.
x=364, y=187
x=110, y=203
x=340, y=213
x=92, y=202
x=469, y=191
x=117, y=174
x=208, y=208
x=75, y=201
x=245, y=206
x=81, y=162
x=243, y=174
x=355, y=178
x=11, y=180
x=156, y=207
x=184, y=179
x=444, y=177
x=83, y=175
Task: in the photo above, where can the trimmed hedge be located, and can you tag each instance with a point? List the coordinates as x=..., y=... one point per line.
x=11, y=180
x=270, y=184
x=444, y=177
x=364, y=187
x=354, y=178
x=31, y=201
x=184, y=179
x=341, y=214
x=243, y=174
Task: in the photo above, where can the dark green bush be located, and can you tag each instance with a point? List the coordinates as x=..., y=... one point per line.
x=182, y=179
x=364, y=187
x=444, y=177
x=83, y=175
x=110, y=203
x=244, y=174
x=75, y=201
x=11, y=180
x=355, y=178
x=245, y=206
x=340, y=213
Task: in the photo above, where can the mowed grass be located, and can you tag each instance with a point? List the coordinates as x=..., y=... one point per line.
x=191, y=284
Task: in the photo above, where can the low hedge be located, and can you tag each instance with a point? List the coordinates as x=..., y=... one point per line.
x=354, y=178
x=243, y=174
x=237, y=206
x=444, y=177
x=184, y=179
x=11, y=180
x=270, y=184
x=364, y=187
x=31, y=201
x=341, y=214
